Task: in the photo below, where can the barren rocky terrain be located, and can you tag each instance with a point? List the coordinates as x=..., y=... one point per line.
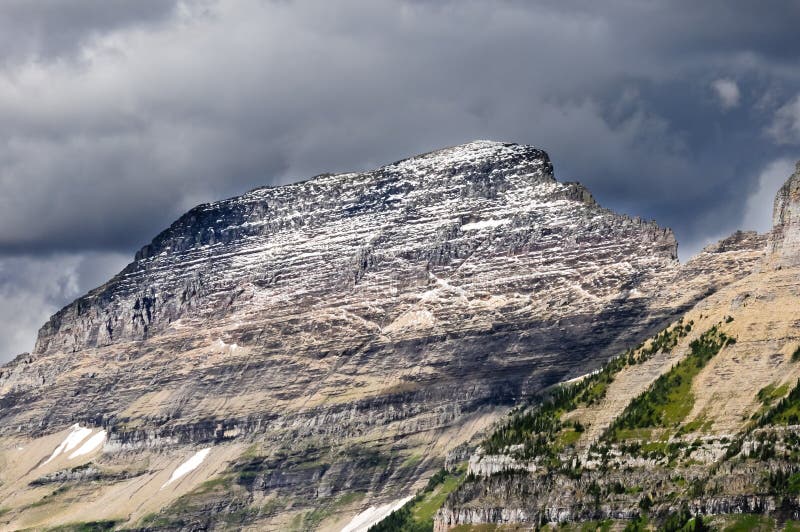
x=295, y=356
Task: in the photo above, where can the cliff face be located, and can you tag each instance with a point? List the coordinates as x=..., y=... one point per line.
x=330, y=341
x=484, y=217
x=701, y=420
x=784, y=242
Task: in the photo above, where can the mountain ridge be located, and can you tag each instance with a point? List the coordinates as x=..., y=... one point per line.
x=333, y=340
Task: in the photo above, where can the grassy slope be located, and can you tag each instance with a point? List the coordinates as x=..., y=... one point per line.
x=541, y=431
x=668, y=401
x=417, y=515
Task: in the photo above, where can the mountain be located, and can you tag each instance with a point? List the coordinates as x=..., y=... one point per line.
x=297, y=355
x=702, y=422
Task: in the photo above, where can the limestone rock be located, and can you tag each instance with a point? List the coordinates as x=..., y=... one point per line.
x=339, y=336
x=784, y=242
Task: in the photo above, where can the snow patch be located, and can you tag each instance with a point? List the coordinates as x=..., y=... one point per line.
x=374, y=515
x=220, y=344
x=581, y=377
x=483, y=224
x=72, y=440
x=188, y=466
x=91, y=444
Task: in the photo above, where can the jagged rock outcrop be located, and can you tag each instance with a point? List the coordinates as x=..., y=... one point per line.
x=784, y=241
x=339, y=336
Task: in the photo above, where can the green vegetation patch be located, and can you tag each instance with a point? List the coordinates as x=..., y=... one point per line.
x=311, y=520
x=412, y=461
x=666, y=340
x=748, y=523
x=786, y=412
x=585, y=526
x=634, y=434
x=50, y=497
x=417, y=514
x=425, y=510
x=767, y=396
x=668, y=401
x=701, y=423
x=222, y=487
x=770, y=393
x=541, y=432
x=567, y=437
x=782, y=482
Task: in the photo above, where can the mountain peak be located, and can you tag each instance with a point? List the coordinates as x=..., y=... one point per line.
x=480, y=157
x=479, y=201
x=327, y=334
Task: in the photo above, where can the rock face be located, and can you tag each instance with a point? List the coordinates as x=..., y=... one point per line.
x=486, y=218
x=702, y=417
x=336, y=337
x=784, y=242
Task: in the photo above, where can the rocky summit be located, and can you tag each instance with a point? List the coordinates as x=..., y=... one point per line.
x=325, y=354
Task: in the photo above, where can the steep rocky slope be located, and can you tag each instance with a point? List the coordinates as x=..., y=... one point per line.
x=303, y=352
x=702, y=420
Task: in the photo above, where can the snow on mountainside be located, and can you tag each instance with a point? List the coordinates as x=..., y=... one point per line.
x=332, y=340
x=334, y=229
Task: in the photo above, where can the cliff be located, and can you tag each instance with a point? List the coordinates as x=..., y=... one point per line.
x=784, y=242
x=298, y=354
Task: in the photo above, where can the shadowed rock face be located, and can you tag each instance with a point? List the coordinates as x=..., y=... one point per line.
x=392, y=309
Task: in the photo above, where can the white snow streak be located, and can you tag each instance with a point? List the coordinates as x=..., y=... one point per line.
x=77, y=435
x=374, y=515
x=581, y=377
x=483, y=224
x=91, y=444
x=188, y=466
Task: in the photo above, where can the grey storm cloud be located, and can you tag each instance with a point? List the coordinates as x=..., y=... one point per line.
x=46, y=30
x=117, y=116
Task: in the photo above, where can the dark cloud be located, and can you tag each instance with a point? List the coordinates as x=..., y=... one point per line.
x=33, y=288
x=116, y=116
x=48, y=30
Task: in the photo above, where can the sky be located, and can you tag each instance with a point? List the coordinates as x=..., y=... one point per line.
x=116, y=116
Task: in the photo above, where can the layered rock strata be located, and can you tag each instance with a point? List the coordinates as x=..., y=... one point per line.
x=784, y=242
x=332, y=339
x=723, y=441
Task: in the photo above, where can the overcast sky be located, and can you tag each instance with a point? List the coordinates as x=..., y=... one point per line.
x=117, y=116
